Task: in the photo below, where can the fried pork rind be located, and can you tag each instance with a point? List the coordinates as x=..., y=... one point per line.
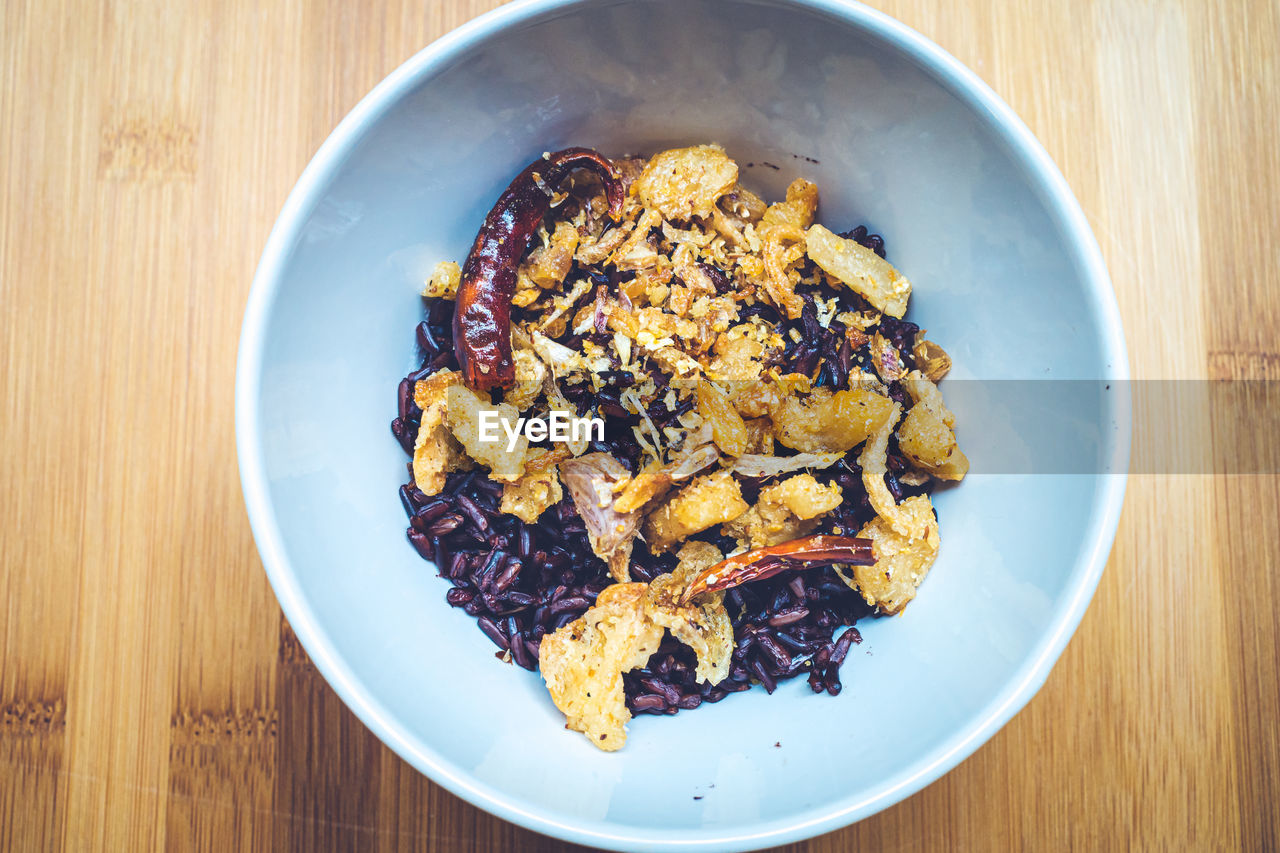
x=739, y=355
x=902, y=561
x=873, y=461
x=530, y=375
x=548, y=265
x=682, y=183
x=783, y=249
x=463, y=415
x=757, y=399
x=860, y=269
x=592, y=479
x=829, y=422
x=782, y=228
x=435, y=452
x=444, y=281
x=583, y=662
x=708, y=500
x=637, y=252
x=538, y=489
x=592, y=251
x=703, y=625
x=926, y=436
x=932, y=359
x=759, y=465
x=784, y=511
x=727, y=427
x=796, y=212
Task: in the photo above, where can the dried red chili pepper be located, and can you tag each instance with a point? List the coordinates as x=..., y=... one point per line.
x=766, y=562
x=482, y=320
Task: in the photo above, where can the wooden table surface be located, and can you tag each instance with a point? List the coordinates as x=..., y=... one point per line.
x=151, y=694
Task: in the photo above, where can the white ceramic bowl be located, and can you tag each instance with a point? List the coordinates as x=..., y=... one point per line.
x=898, y=135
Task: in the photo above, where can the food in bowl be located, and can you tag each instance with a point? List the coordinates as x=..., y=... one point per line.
x=760, y=433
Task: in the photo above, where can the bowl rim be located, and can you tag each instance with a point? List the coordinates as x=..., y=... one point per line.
x=1104, y=518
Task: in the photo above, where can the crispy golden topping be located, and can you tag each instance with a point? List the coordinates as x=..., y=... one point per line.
x=731, y=343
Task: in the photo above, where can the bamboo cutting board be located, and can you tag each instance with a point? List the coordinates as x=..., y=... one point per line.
x=151, y=695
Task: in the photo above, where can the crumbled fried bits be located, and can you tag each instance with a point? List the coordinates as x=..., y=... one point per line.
x=932, y=359
x=443, y=283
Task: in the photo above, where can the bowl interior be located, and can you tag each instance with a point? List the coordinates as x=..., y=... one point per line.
x=1001, y=281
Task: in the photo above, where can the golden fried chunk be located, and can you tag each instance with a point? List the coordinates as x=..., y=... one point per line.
x=873, y=461
x=703, y=624
x=902, y=561
x=444, y=281
x=594, y=250
x=932, y=359
x=797, y=211
x=784, y=511
x=592, y=479
x=655, y=479
x=538, y=489
x=651, y=482
x=860, y=269
x=435, y=452
x=829, y=422
x=710, y=499
x=464, y=413
x=583, y=662
x=784, y=246
x=739, y=356
x=757, y=399
x=926, y=437
x=549, y=264
x=727, y=428
x=682, y=183
x=530, y=374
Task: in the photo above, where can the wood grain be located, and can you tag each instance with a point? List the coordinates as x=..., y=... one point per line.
x=151, y=694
